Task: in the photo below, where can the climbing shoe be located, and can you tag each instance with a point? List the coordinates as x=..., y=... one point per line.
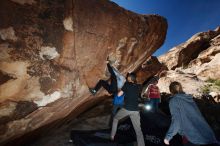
x=93, y=91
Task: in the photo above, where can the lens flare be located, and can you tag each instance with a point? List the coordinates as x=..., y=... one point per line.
x=148, y=107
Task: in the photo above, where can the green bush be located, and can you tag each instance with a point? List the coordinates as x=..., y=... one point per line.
x=212, y=84
x=210, y=80
x=217, y=83
x=206, y=89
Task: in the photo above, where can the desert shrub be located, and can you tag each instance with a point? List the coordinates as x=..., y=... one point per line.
x=206, y=89
x=210, y=80
x=217, y=83
x=212, y=85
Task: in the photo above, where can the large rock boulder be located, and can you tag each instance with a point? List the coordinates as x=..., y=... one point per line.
x=52, y=51
x=149, y=68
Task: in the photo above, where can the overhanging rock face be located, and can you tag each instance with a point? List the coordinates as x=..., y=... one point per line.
x=52, y=51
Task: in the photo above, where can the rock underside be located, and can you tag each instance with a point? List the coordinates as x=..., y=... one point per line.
x=52, y=51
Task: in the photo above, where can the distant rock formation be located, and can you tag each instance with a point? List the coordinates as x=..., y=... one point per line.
x=52, y=51
x=196, y=64
x=191, y=84
x=207, y=64
x=183, y=54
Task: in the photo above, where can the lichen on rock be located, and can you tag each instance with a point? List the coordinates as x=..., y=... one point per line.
x=48, y=53
x=68, y=24
x=8, y=34
x=48, y=99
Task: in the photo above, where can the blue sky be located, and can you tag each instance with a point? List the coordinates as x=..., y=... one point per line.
x=185, y=17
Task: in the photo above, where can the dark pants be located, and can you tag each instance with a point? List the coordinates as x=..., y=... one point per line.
x=114, y=111
x=112, y=87
x=155, y=103
x=191, y=144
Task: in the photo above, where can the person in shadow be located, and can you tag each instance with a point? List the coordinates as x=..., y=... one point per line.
x=153, y=93
x=132, y=92
x=187, y=119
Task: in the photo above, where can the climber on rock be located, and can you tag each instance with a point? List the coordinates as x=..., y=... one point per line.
x=132, y=92
x=117, y=80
